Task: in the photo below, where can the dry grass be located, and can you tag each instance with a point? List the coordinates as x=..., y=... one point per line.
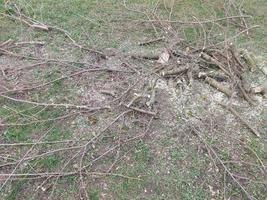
x=86, y=112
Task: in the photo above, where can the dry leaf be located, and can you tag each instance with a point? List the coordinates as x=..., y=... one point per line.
x=164, y=57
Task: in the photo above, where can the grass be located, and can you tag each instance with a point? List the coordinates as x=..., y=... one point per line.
x=15, y=190
x=178, y=171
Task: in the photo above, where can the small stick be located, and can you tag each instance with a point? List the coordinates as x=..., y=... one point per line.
x=65, y=77
x=30, y=66
x=214, y=61
x=151, y=41
x=55, y=105
x=193, y=22
x=130, y=67
x=135, y=98
x=209, y=148
x=78, y=45
x=108, y=92
x=56, y=174
x=9, y=53
x=235, y=113
x=146, y=57
x=249, y=60
x=218, y=86
x=21, y=161
x=43, y=27
x=127, y=90
x=39, y=121
x=140, y=110
x=6, y=42
x=245, y=95
x=152, y=99
x=44, y=154
x=217, y=75
x=40, y=143
x=30, y=42
x=236, y=57
x=175, y=71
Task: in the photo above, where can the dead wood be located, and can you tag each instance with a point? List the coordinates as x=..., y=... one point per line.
x=175, y=71
x=108, y=92
x=245, y=94
x=217, y=157
x=140, y=110
x=217, y=75
x=134, y=99
x=215, y=62
x=152, y=99
x=236, y=114
x=249, y=59
x=56, y=105
x=6, y=43
x=236, y=57
x=30, y=42
x=62, y=78
x=219, y=86
x=145, y=56
x=43, y=27
x=151, y=41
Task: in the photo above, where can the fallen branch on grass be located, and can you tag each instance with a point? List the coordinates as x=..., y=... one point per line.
x=38, y=121
x=209, y=148
x=9, y=53
x=236, y=114
x=21, y=161
x=217, y=75
x=192, y=22
x=151, y=41
x=42, y=155
x=6, y=43
x=72, y=106
x=145, y=56
x=65, y=77
x=39, y=143
x=31, y=24
x=43, y=27
x=55, y=174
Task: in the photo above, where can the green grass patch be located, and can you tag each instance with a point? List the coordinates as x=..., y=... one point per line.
x=94, y=195
x=48, y=163
x=176, y=174
x=16, y=190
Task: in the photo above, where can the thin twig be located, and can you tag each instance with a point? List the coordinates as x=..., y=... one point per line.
x=140, y=110
x=22, y=159
x=91, y=109
x=221, y=162
x=193, y=22
x=65, y=77
x=235, y=113
x=219, y=86
x=151, y=41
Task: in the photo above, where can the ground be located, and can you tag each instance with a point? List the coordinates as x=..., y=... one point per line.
x=88, y=110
